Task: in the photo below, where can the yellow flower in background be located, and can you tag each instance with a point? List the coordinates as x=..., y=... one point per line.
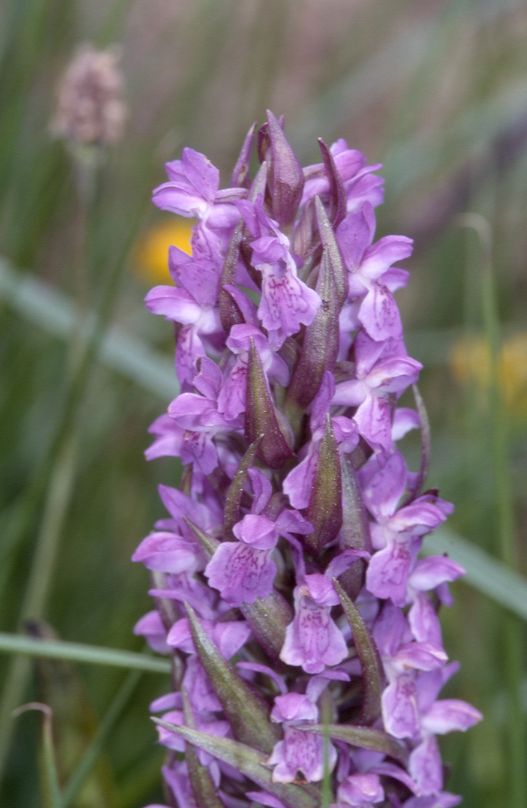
x=152, y=250
x=470, y=362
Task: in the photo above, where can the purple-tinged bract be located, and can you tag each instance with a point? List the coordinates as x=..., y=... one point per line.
x=288, y=583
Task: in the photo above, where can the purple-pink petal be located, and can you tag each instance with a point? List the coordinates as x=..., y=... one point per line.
x=313, y=640
x=379, y=314
x=447, y=715
x=360, y=790
x=257, y=531
x=241, y=573
x=434, y=570
x=389, y=570
x=293, y=707
x=426, y=767
x=400, y=709
x=300, y=752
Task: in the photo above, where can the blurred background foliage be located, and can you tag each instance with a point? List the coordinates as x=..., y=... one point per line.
x=437, y=91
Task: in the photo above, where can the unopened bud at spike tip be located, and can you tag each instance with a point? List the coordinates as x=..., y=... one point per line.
x=286, y=178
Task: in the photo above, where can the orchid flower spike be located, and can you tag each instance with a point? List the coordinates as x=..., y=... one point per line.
x=288, y=587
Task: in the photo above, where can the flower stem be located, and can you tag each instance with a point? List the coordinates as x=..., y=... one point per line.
x=38, y=582
x=92, y=752
x=513, y=634
x=60, y=459
x=512, y=628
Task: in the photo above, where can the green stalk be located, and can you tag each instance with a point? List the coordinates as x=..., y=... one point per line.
x=58, y=460
x=60, y=470
x=50, y=778
x=513, y=635
x=93, y=751
x=38, y=583
x=512, y=629
x=326, y=794
x=80, y=652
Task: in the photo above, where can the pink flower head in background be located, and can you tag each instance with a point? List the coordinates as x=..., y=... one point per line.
x=91, y=109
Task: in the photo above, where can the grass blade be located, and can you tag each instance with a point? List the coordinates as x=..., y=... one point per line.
x=485, y=573
x=53, y=311
x=51, y=785
x=78, y=652
x=94, y=749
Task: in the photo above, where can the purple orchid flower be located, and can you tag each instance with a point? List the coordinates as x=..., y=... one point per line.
x=299, y=751
x=286, y=302
x=193, y=190
x=290, y=593
x=360, y=790
x=313, y=639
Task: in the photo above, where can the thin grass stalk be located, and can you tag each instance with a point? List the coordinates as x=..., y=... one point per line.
x=61, y=469
x=18, y=672
x=513, y=630
x=92, y=752
x=38, y=583
x=515, y=739
x=81, y=652
x=52, y=797
x=325, y=794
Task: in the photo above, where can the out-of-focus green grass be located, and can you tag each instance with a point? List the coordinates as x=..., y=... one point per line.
x=434, y=90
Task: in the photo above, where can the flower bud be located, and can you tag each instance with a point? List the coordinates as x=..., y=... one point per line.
x=334, y=258
x=286, y=179
x=240, y=173
x=325, y=506
x=321, y=340
x=260, y=416
x=337, y=195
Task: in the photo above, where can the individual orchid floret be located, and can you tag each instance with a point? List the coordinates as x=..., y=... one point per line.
x=383, y=370
x=243, y=571
x=360, y=182
x=167, y=552
x=313, y=640
x=360, y=791
x=286, y=178
x=192, y=303
x=372, y=278
x=428, y=574
x=193, y=447
x=299, y=752
x=193, y=190
x=151, y=627
x=302, y=622
x=232, y=398
x=286, y=302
